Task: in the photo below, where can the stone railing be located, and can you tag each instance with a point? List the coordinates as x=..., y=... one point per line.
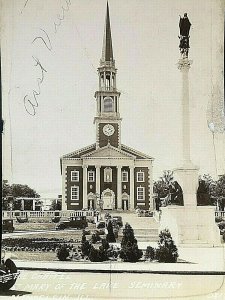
x=220, y=214
x=46, y=214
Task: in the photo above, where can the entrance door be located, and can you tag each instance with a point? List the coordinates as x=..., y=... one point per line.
x=91, y=203
x=125, y=204
x=108, y=200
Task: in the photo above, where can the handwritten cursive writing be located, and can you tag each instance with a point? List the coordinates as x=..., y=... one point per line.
x=61, y=18
x=30, y=101
x=25, y=4
x=46, y=42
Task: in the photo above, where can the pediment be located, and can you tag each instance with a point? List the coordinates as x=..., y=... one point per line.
x=78, y=153
x=108, y=151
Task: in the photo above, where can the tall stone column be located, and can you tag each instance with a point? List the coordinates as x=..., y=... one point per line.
x=84, y=186
x=184, y=66
x=119, y=188
x=97, y=168
x=187, y=175
x=132, y=187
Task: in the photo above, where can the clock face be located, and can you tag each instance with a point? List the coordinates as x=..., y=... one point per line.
x=108, y=129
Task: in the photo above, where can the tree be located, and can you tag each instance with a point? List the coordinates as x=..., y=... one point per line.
x=63, y=253
x=168, y=189
x=10, y=192
x=167, y=251
x=219, y=191
x=85, y=246
x=129, y=248
x=18, y=190
x=56, y=204
x=162, y=186
x=21, y=190
x=110, y=236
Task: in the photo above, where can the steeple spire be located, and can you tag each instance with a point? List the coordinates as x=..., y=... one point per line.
x=107, y=50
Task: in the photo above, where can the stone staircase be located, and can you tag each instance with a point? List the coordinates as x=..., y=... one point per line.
x=146, y=229
x=146, y=235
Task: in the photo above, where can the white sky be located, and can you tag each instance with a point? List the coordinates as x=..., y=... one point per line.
x=145, y=44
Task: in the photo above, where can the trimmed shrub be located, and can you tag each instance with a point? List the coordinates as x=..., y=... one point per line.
x=85, y=246
x=218, y=219
x=167, y=251
x=150, y=253
x=113, y=252
x=63, y=253
x=110, y=236
x=95, y=238
x=129, y=248
x=97, y=255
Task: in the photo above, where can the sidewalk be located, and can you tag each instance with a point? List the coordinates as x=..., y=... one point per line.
x=193, y=261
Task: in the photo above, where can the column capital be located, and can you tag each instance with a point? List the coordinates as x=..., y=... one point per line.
x=119, y=167
x=97, y=166
x=85, y=166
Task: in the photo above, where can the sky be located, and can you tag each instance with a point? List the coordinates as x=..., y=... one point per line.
x=65, y=58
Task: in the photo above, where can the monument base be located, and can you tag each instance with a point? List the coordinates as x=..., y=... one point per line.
x=191, y=226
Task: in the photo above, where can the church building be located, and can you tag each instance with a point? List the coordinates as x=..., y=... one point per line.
x=107, y=174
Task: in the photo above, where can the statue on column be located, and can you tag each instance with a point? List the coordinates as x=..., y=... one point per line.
x=184, y=26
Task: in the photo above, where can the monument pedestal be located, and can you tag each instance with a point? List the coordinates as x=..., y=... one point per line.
x=190, y=225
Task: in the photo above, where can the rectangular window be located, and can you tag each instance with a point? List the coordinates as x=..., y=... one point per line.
x=124, y=176
x=140, y=177
x=140, y=193
x=75, y=193
x=91, y=176
x=74, y=175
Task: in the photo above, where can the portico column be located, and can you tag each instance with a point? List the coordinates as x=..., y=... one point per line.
x=22, y=204
x=97, y=168
x=85, y=186
x=119, y=200
x=132, y=187
x=33, y=204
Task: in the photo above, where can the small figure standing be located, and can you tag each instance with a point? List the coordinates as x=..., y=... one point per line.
x=184, y=25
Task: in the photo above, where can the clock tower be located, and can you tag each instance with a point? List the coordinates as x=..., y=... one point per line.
x=107, y=120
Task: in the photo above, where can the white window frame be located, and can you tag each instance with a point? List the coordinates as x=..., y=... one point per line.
x=91, y=176
x=76, y=196
x=142, y=174
x=142, y=190
x=124, y=173
x=107, y=172
x=75, y=176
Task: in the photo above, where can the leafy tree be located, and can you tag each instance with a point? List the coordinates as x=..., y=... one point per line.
x=21, y=190
x=18, y=190
x=166, y=187
x=162, y=186
x=219, y=191
x=167, y=251
x=56, y=204
x=110, y=236
x=129, y=248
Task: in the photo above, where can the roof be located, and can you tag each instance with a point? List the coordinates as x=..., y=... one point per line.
x=108, y=150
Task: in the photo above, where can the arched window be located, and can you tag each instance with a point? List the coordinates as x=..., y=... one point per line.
x=107, y=174
x=108, y=104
